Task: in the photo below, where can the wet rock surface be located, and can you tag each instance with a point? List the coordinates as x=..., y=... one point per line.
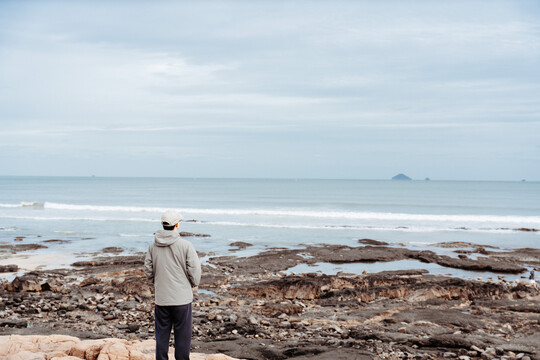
x=513, y=262
x=247, y=308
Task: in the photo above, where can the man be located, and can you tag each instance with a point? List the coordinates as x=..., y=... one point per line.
x=174, y=267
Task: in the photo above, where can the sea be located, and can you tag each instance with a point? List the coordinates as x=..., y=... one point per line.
x=83, y=215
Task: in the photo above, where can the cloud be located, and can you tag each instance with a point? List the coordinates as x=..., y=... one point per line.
x=283, y=82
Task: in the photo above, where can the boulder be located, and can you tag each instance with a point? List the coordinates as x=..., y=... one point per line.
x=24, y=283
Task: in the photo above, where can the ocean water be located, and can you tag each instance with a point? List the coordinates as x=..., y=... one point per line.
x=90, y=213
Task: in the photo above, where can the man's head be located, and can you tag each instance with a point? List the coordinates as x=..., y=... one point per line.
x=171, y=220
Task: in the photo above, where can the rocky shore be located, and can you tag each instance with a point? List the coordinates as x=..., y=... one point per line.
x=249, y=308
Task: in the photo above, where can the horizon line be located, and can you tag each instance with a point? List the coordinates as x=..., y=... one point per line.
x=427, y=179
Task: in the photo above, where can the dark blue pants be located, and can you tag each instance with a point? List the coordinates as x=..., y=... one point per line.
x=179, y=317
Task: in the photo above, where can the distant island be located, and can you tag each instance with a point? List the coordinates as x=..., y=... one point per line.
x=401, y=177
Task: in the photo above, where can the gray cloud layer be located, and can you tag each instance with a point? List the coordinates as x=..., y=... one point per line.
x=345, y=89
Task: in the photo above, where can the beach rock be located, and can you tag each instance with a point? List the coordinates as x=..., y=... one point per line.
x=264, y=314
x=24, y=283
x=188, y=234
x=111, y=260
x=87, y=349
x=57, y=241
x=8, y=268
x=240, y=245
x=16, y=347
x=22, y=247
x=114, y=350
x=89, y=281
x=112, y=250
x=135, y=286
x=373, y=242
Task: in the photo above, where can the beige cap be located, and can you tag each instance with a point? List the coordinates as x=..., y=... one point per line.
x=171, y=218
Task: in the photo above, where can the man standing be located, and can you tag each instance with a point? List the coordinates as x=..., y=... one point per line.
x=174, y=267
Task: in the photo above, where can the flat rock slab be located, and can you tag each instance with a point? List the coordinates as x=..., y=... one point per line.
x=16, y=347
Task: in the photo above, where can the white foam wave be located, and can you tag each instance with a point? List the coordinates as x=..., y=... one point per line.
x=10, y=205
x=59, y=218
x=525, y=221
x=33, y=204
x=134, y=235
x=414, y=229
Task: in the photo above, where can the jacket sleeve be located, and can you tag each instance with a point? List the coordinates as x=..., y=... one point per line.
x=148, y=265
x=193, y=266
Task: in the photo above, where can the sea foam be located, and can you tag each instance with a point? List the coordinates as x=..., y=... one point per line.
x=529, y=221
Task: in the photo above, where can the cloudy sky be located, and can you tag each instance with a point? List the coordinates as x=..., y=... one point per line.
x=286, y=89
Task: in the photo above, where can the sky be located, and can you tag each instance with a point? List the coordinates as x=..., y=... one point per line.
x=448, y=90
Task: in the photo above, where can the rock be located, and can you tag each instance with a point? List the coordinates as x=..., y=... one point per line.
x=188, y=234
x=136, y=286
x=240, y=244
x=112, y=250
x=87, y=349
x=89, y=281
x=373, y=242
x=476, y=348
x=448, y=355
x=9, y=268
x=111, y=261
x=489, y=354
x=27, y=355
x=133, y=327
x=114, y=351
x=24, y=283
x=16, y=347
x=57, y=241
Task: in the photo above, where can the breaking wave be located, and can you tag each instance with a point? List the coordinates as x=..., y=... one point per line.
x=320, y=214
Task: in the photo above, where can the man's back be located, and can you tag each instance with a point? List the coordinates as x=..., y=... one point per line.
x=173, y=265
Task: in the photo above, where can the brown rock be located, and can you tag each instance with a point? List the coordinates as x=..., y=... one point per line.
x=8, y=268
x=24, y=283
x=188, y=234
x=136, y=286
x=89, y=281
x=240, y=244
x=112, y=250
x=373, y=242
x=112, y=260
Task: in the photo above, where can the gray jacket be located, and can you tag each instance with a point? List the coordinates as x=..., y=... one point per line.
x=174, y=267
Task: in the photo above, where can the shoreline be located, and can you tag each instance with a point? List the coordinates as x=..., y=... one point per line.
x=251, y=308
x=458, y=259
